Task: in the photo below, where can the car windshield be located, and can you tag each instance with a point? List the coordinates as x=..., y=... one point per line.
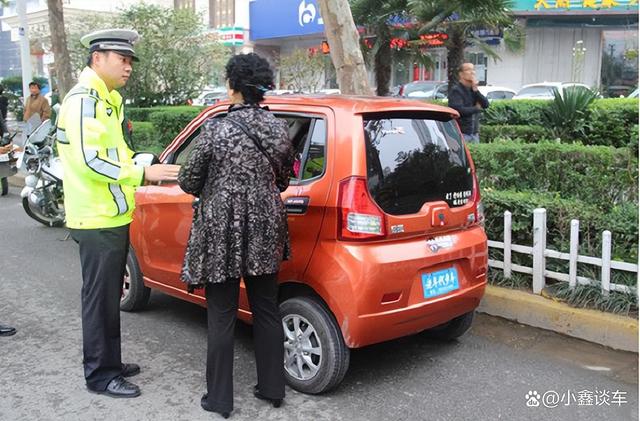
x=413, y=158
x=420, y=89
x=534, y=91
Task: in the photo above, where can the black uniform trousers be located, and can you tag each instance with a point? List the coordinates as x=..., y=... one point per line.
x=103, y=257
x=268, y=338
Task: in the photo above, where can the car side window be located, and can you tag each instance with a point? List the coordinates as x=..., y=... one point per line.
x=182, y=155
x=508, y=95
x=314, y=156
x=308, y=136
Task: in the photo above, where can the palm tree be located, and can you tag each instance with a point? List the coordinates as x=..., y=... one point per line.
x=459, y=18
x=375, y=14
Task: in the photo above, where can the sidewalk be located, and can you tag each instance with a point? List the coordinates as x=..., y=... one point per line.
x=607, y=329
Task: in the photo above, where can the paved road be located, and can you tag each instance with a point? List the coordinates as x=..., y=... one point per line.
x=483, y=376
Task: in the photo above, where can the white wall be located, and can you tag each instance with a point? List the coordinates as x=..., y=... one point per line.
x=507, y=72
x=549, y=55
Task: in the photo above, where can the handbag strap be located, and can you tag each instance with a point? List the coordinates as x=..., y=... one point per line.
x=256, y=141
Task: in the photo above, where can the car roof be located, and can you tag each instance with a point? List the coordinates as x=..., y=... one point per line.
x=356, y=104
x=491, y=88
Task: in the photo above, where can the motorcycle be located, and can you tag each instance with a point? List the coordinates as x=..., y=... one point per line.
x=42, y=195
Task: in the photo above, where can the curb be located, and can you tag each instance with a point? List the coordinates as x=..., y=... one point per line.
x=618, y=332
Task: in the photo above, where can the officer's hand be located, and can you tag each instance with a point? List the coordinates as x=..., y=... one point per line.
x=161, y=172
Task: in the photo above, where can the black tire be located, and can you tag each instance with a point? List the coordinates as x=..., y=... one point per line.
x=37, y=216
x=4, y=182
x=135, y=295
x=454, y=328
x=333, y=361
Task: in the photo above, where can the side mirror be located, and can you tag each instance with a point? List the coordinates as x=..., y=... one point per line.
x=145, y=159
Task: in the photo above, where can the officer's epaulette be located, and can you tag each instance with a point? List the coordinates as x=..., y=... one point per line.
x=81, y=90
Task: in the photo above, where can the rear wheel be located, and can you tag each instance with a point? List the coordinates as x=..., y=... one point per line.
x=454, y=328
x=316, y=357
x=135, y=295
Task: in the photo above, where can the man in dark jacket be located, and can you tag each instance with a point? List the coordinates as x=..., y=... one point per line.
x=468, y=101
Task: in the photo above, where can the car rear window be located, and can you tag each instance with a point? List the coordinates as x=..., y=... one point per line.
x=413, y=158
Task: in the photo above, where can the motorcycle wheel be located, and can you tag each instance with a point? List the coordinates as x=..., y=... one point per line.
x=34, y=213
x=5, y=186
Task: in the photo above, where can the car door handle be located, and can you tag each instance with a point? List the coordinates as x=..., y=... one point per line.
x=296, y=205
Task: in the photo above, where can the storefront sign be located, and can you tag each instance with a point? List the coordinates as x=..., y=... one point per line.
x=231, y=36
x=584, y=5
x=284, y=18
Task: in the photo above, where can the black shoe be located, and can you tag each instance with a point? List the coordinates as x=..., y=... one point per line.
x=130, y=370
x=275, y=402
x=119, y=388
x=205, y=405
x=7, y=331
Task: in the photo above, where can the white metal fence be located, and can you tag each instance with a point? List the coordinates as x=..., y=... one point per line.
x=540, y=253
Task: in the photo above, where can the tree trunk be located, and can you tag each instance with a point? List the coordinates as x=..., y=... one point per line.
x=64, y=73
x=344, y=43
x=382, y=61
x=455, y=52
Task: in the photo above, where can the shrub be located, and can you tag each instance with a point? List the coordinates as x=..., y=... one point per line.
x=621, y=220
x=598, y=175
x=526, y=133
x=611, y=122
x=525, y=112
x=144, y=114
x=170, y=121
x=145, y=138
x=568, y=114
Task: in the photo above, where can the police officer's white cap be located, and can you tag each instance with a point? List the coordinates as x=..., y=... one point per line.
x=119, y=40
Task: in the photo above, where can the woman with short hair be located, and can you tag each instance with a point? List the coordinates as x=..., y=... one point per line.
x=239, y=166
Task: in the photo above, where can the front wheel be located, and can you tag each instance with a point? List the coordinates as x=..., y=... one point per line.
x=135, y=295
x=315, y=355
x=37, y=214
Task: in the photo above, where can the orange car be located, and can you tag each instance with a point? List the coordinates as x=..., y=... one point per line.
x=385, y=222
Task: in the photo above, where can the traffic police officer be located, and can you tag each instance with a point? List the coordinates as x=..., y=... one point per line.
x=100, y=178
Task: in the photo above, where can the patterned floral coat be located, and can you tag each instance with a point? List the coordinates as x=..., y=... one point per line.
x=240, y=223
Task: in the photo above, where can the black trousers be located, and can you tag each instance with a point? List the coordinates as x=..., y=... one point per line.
x=103, y=256
x=268, y=338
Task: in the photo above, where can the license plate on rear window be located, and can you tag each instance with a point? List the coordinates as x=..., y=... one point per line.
x=440, y=282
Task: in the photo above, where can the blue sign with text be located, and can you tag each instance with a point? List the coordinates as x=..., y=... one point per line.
x=284, y=18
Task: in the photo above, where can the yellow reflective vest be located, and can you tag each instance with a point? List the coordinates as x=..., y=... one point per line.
x=99, y=175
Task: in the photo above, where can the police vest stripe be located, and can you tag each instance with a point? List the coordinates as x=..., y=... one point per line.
x=115, y=189
x=91, y=158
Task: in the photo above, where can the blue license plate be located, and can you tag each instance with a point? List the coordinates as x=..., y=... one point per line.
x=440, y=282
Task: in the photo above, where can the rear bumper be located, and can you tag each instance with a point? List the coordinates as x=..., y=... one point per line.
x=375, y=290
x=374, y=328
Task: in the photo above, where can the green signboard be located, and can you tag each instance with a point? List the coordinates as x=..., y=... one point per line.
x=574, y=5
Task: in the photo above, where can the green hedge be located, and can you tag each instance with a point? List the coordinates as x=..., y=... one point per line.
x=599, y=175
x=526, y=133
x=168, y=123
x=621, y=220
x=611, y=121
x=145, y=138
x=144, y=114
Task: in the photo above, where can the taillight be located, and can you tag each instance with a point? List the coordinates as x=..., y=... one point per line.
x=479, y=212
x=359, y=218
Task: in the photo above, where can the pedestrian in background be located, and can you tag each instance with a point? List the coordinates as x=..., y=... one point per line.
x=468, y=101
x=36, y=103
x=237, y=169
x=100, y=179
